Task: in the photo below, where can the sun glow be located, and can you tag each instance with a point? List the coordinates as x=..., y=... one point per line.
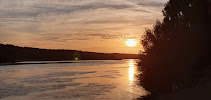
x=131, y=43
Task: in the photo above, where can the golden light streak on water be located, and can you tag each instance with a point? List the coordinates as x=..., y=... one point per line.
x=131, y=71
x=131, y=74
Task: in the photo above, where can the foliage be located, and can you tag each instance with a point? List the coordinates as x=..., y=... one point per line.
x=176, y=49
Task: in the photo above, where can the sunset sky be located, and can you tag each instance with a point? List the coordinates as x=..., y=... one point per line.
x=87, y=25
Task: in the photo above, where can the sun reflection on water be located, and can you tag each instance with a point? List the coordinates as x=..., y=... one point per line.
x=131, y=71
x=131, y=74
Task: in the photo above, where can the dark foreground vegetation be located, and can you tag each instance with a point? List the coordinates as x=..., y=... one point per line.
x=177, y=50
x=10, y=53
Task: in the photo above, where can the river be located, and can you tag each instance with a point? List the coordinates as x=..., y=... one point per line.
x=81, y=80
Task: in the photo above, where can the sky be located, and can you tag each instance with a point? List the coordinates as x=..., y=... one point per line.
x=87, y=25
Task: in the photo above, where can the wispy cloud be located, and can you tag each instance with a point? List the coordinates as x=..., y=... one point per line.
x=152, y=3
x=61, y=20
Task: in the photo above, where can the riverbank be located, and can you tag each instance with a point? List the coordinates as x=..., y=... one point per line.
x=36, y=62
x=199, y=92
x=11, y=53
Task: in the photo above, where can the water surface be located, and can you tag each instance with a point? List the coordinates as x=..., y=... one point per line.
x=82, y=80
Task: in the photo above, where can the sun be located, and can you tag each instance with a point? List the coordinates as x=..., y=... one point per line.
x=131, y=43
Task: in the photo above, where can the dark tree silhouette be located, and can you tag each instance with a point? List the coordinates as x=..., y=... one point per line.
x=177, y=49
x=10, y=53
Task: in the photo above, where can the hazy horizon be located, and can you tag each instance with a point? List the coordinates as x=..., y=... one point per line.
x=86, y=25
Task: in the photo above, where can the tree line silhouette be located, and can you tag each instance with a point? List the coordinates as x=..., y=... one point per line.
x=10, y=53
x=176, y=50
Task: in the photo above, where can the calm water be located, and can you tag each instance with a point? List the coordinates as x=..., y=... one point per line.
x=83, y=80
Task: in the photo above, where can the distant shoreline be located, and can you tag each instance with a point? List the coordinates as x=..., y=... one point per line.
x=11, y=54
x=47, y=62
x=31, y=62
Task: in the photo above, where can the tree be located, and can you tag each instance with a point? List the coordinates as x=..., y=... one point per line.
x=176, y=49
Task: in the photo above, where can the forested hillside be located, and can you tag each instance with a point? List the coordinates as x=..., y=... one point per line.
x=10, y=53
